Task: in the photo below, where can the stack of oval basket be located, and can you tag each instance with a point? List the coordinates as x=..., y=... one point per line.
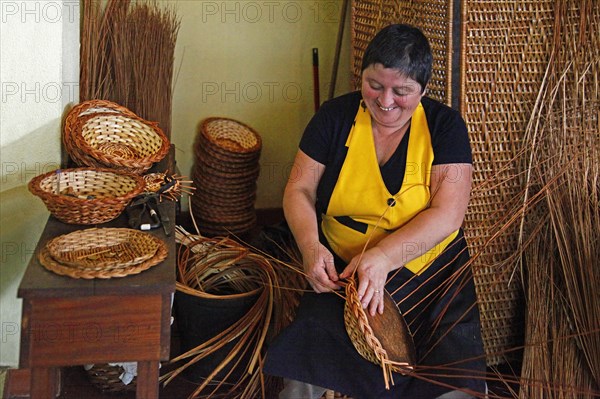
x=112, y=146
x=226, y=167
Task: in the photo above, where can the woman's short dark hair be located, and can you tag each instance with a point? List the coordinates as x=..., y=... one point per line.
x=401, y=47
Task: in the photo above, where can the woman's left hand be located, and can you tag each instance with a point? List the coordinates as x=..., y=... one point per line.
x=372, y=274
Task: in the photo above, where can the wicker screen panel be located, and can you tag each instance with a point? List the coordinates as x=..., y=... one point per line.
x=368, y=17
x=505, y=51
x=434, y=17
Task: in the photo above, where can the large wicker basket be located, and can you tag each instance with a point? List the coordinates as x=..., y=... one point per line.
x=101, y=133
x=86, y=195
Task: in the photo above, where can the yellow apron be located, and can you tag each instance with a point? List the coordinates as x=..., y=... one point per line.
x=361, y=208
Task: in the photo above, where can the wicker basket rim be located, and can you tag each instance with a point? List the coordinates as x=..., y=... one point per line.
x=84, y=156
x=84, y=145
x=358, y=326
x=247, y=129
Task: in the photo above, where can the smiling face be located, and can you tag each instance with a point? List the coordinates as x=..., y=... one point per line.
x=390, y=96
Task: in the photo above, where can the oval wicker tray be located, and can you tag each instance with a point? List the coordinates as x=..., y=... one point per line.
x=51, y=264
x=103, y=248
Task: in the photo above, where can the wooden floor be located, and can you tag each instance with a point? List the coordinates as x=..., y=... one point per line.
x=76, y=385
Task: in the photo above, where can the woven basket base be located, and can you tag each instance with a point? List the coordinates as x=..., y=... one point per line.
x=383, y=339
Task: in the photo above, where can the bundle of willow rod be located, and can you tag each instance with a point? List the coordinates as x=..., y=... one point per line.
x=562, y=348
x=127, y=56
x=284, y=255
x=96, y=72
x=221, y=268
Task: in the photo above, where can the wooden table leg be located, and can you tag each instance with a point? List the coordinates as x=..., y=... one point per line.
x=43, y=382
x=147, y=380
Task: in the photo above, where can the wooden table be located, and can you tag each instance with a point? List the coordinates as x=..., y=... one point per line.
x=67, y=321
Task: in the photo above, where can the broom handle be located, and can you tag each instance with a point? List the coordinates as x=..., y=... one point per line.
x=317, y=94
x=338, y=49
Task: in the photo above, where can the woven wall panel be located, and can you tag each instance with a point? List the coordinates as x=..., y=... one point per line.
x=434, y=17
x=505, y=53
x=504, y=50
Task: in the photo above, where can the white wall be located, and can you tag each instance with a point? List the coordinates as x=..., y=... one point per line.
x=39, y=73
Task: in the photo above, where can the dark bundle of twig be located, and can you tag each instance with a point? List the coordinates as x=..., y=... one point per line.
x=168, y=186
x=562, y=348
x=127, y=56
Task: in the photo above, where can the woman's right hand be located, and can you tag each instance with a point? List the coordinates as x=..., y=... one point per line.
x=320, y=269
x=299, y=198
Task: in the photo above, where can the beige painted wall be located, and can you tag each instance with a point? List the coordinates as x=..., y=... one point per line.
x=247, y=60
x=39, y=69
x=252, y=61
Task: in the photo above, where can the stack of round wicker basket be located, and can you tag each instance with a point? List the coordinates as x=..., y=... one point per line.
x=226, y=167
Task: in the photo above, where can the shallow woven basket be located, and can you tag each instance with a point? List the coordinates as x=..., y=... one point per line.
x=103, y=270
x=382, y=339
x=103, y=248
x=86, y=195
x=101, y=133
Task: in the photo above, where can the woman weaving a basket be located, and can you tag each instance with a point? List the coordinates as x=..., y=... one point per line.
x=382, y=182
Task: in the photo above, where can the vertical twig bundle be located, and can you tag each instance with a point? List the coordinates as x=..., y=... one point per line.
x=127, y=56
x=96, y=72
x=563, y=280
